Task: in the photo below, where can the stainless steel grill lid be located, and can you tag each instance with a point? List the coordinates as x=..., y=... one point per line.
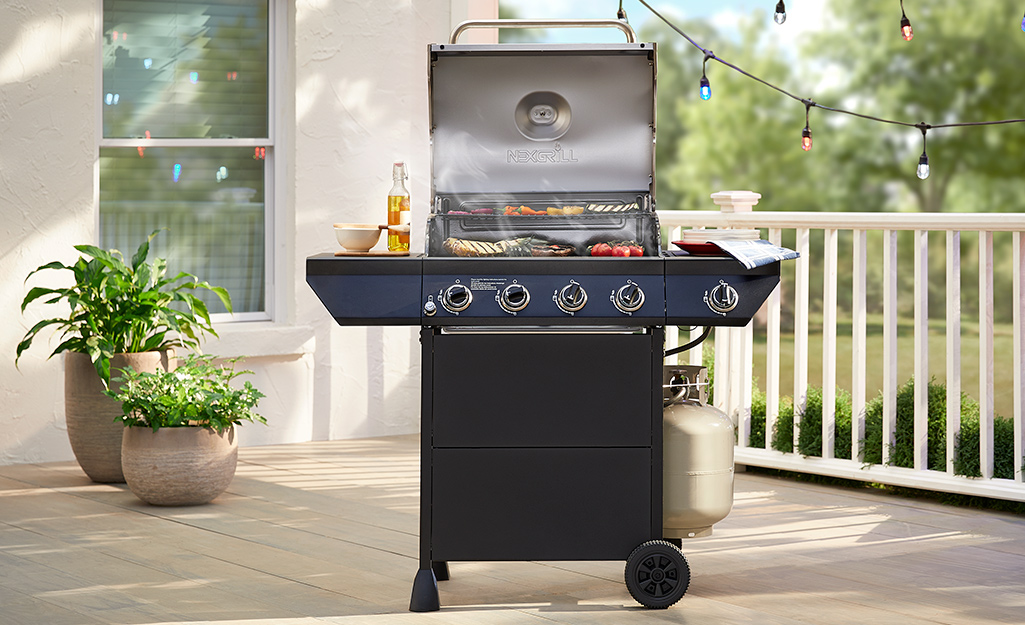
x=542, y=119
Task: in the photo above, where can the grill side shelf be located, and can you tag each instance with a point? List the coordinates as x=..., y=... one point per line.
x=368, y=291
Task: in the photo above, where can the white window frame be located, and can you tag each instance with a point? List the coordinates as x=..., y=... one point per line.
x=273, y=165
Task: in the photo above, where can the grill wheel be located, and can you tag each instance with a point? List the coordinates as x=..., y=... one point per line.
x=657, y=574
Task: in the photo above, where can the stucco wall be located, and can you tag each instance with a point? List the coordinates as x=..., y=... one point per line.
x=360, y=101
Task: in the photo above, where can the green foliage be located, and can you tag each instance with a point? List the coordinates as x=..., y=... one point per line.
x=757, y=438
x=902, y=451
x=783, y=430
x=122, y=308
x=809, y=440
x=197, y=393
x=967, y=458
x=809, y=430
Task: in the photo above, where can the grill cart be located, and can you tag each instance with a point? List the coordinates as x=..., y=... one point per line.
x=542, y=361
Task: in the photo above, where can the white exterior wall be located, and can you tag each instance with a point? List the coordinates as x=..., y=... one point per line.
x=359, y=73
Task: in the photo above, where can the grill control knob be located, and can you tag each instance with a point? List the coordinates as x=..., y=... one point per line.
x=456, y=298
x=430, y=308
x=629, y=298
x=722, y=299
x=514, y=298
x=571, y=298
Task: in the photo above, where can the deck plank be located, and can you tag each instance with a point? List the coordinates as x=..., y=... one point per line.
x=326, y=532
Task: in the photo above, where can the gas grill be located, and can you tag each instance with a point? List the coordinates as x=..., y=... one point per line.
x=541, y=416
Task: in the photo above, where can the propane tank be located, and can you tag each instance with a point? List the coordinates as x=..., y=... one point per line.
x=697, y=456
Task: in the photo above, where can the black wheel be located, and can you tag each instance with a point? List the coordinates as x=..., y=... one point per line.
x=657, y=574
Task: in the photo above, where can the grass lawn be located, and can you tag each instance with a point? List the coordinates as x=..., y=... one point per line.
x=1002, y=358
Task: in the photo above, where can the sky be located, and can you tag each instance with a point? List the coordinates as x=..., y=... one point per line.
x=802, y=15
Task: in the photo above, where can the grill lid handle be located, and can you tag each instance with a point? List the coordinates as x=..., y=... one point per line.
x=631, y=36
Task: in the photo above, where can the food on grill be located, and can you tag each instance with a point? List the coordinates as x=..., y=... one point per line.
x=458, y=213
x=611, y=208
x=566, y=210
x=465, y=248
x=523, y=246
x=552, y=250
x=523, y=210
x=616, y=248
x=482, y=211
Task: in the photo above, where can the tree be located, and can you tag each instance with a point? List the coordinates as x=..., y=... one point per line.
x=748, y=136
x=962, y=65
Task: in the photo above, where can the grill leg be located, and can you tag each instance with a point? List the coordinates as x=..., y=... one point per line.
x=425, y=592
x=440, y=568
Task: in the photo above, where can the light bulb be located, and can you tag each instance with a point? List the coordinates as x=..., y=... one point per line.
x=905, y=28
x=706, y=89
x=806, y=139
x=781, y=13
x=923, y=167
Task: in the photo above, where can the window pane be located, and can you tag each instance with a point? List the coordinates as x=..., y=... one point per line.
x=210, y=200
x=185, y=69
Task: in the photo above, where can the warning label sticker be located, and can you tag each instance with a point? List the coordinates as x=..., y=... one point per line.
x=486, y=284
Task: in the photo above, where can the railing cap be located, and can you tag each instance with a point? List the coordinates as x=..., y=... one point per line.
x=736, y=201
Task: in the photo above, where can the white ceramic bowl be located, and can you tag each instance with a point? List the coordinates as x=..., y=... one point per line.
x=357, y=237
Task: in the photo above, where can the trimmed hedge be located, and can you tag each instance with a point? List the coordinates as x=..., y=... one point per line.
x=809, y=439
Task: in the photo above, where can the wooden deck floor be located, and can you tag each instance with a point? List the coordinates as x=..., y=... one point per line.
x=318, y=533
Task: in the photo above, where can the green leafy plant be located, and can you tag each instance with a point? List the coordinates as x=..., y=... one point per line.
x=197, y=393
x=123, y=308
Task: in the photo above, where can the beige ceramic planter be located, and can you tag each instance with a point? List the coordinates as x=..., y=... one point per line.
x=95, y=436
x=183, y=466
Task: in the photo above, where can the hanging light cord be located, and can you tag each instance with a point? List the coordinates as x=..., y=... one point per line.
x=810, y=103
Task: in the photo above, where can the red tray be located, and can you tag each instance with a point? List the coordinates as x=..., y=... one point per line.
x=700, y=249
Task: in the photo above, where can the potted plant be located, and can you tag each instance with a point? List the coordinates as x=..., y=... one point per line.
x=179, y=446
x=121, y=314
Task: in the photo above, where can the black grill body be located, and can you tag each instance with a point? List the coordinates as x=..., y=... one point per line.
x=541, y=390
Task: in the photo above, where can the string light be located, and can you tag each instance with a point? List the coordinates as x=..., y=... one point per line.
x=621, y=14
x=1023, y=23
x=806, y=133
x=706, y=87
x=923, y=162
x=781, y=13
x=905, y=24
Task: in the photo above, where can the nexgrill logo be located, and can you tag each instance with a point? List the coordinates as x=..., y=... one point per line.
x=557, y=155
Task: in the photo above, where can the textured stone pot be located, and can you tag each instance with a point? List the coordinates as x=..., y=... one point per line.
x=183, y=466
x=94, y=435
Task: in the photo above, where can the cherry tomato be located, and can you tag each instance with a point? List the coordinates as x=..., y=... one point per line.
x=601, y=249
x=621, y=250
x=636, y=250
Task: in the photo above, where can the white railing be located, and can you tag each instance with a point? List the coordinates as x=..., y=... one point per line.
x=734, y=364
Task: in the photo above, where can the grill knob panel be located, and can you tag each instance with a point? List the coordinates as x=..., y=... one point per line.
x=514, y=298
x=456, y=298
x=571, y=298
x=629, y=298
x=723, y=298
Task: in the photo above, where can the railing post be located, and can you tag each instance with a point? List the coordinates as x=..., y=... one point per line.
x=953, y=344
x=1018, y=349
x=829, y=344
x=733, y=346
x=889, y=341
x=920, y=446
x=986, y=353
x=772, y=343
x=859, y=340
x=801, y=288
